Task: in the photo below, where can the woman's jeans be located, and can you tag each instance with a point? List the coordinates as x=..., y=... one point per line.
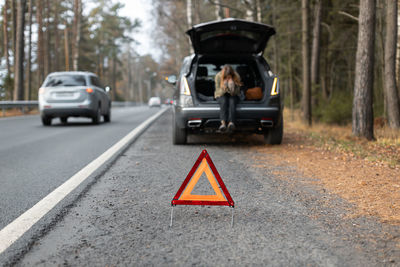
x=227, y=104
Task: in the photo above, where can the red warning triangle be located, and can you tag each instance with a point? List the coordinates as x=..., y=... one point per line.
x=202, y=165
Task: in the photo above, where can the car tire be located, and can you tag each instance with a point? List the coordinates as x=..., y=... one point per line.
x=274, y=136
x=179, y=135
x=64, y=120
x=107, y=117
x=97, y=117
x=46, y=121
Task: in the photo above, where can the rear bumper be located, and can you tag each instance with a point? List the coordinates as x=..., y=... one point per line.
x=247, y=118
x=84, y=109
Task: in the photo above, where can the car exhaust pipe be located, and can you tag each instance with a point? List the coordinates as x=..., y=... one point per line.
x=267, y=123
x=194, y=123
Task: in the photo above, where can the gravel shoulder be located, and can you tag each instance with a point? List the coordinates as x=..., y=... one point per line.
x=123, y=219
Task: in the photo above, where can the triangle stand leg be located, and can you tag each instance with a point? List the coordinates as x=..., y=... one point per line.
x=172, y=214
x=232, y=217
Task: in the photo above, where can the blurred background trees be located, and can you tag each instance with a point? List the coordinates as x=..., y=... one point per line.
x=42, y=36
x=313, y=52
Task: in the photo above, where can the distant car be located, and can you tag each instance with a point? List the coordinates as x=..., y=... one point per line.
x=73, y=94
x=155, y=101
x=168, y=101
x=240, y=44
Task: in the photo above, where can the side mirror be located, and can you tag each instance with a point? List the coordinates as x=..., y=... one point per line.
x=108, y=89
x=171, y=79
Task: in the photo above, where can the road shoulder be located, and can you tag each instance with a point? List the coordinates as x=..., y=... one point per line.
x=124, y=218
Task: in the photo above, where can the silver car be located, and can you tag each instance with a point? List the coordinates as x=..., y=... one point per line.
x=74, y=94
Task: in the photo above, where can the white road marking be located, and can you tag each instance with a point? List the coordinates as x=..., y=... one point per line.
x=14, y=230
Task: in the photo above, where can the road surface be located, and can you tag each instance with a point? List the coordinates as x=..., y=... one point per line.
x=34, y=159
x=123, y=218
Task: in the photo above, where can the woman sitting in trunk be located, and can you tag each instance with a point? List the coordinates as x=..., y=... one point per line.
x=227, y=89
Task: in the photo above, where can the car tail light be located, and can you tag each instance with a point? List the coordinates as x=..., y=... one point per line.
x=275, y=87
x=185, y=98
x=185, y=90
x=89, y=90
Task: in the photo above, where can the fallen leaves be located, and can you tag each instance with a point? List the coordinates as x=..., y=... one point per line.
x=364, y=173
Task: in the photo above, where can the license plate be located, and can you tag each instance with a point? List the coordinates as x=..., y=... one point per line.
x=65, y=94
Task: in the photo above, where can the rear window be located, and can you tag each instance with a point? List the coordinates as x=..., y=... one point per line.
x=95, y=81
x=65, y=80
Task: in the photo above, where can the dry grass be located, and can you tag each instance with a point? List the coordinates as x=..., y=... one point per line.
x=386, y=148
x=18, y=112
x=364, y=173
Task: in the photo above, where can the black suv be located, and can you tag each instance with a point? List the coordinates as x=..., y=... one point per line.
x=240, y=44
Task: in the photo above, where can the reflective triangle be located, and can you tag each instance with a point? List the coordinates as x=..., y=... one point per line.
x=202, y=165
x=203, y=168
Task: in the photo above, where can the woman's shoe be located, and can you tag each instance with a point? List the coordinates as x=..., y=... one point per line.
x=231, y=127
x=222, y=127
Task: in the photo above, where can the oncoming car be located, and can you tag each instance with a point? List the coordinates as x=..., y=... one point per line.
x=155, y=101
x=240, y=44
x=74, y=94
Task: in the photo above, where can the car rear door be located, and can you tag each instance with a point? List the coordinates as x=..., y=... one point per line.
x=100, y=92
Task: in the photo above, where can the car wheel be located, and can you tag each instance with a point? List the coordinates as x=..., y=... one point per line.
x=107, y=117
x=97, y=117
x=46, y=121
x=274, y=135
x=64, y=120
x=178, y=135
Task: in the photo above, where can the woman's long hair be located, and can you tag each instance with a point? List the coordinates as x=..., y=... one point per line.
x=226, y=71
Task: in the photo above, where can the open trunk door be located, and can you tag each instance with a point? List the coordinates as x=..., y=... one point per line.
x=230, y=36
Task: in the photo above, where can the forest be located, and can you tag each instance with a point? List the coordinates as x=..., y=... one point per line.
x=314, y=53
x=336, y=60
x=43, y=36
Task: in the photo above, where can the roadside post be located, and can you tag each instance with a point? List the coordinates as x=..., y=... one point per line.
x=184, y=195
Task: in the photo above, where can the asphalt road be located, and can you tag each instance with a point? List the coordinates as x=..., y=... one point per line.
x=123, y=219
x=34, y=160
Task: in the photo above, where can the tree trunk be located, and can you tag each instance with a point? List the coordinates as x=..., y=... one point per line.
x=306, y=98
x=19, y=55
x=66, y=47
x=189, y=18
x=290, y=76
x=114, y=76
x=249, y=10
x=57, y=38
x=5, y=36
x=391, y=95
x=130, y=74
x=189, y=13
x=197, y=6
x=275, y=40
x=218, y=10
x=40, y=55
x=14, y=31
x=363, y=117
x=29, y=61
x=227, y=12
x=398, y=45
x=46, y=43
x=76, y=33
x=258, y=11
x=316, y=44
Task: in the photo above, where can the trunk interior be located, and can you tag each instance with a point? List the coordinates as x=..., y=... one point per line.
x=208, y=67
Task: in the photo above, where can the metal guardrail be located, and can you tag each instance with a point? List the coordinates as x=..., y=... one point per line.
x=23, y=105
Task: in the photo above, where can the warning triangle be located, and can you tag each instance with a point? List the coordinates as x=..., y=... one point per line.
x=203, y=165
